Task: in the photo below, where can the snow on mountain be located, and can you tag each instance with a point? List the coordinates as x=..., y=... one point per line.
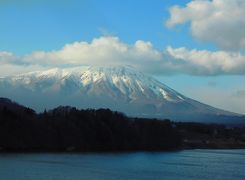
x=118, y=88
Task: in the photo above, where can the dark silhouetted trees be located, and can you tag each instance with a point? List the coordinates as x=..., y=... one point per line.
x=69, y=129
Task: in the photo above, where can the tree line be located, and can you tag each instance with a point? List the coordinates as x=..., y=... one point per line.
x=69, y=129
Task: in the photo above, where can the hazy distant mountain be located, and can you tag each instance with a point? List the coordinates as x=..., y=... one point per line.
x=118, y=88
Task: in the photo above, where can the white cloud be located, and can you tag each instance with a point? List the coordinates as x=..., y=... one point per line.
x=11, y=64
x=218, y=21
x=14, y=69
x=111, y=51
x=104, y=50
x=6, y=57
x=205, y=62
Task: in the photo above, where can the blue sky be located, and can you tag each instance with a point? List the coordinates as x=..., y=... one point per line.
x=48, y=25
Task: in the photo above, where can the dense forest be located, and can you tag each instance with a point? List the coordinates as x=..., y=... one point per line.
x=69, y=129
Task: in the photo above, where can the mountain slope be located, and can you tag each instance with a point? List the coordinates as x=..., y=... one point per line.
x=118, y=88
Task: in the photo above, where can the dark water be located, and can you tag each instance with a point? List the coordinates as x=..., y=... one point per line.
x=183, y=165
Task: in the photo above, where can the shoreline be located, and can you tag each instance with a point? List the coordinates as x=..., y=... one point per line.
x=120, y=152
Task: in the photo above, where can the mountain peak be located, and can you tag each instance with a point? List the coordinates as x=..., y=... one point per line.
x=120, y=88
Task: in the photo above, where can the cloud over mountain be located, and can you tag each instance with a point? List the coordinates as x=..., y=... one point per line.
x=111, y=51
x=101, y=51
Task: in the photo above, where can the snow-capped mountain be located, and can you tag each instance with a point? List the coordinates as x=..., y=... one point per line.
x=118, y=88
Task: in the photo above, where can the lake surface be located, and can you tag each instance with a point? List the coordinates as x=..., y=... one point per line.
x=182, y=165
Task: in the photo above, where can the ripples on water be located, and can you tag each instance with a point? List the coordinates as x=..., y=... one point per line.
x=183, y=165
